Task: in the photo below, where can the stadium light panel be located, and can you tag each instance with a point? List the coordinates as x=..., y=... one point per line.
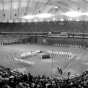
x=10, y=21
x=35, y=20
x=29, y=20
x=56, y=7
x=54, y=19
x=73, y=14
x=86, y=14
x=61, y=19
x=28, y=17
x=44, y=15
x=23, y=21
x=70, y=19
x=16, y=21
x=41, y=20
x=77, y=19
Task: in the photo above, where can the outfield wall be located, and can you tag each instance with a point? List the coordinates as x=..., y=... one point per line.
x=65, y=41
x=51, y=41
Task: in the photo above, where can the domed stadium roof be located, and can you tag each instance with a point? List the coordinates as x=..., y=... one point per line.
x=36, y=10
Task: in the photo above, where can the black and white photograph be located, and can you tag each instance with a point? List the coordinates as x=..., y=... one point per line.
x=43, y=43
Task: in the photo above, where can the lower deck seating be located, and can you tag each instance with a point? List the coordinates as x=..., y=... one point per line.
x=13, y=79
x=10, y=38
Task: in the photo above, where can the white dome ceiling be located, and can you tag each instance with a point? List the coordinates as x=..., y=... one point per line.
x=12, y=10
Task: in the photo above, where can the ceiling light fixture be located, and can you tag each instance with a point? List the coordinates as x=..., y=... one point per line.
x=44, y=15
x=86, y=14
x=73, y=14
x=61, y=19
x=54, y=19
x=56, y=7
x=28, y=17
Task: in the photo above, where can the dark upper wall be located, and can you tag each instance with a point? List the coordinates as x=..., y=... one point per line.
x=65, y=26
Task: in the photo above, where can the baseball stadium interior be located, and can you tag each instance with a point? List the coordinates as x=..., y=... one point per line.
x=43, y=43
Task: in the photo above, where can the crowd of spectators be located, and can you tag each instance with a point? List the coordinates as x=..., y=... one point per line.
x=13, y=79
x=6, y=39
x=58, y=26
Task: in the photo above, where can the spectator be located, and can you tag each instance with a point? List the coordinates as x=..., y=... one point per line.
x=13, y=79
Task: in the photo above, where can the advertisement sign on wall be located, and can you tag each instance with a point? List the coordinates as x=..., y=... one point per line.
x=44, y=41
